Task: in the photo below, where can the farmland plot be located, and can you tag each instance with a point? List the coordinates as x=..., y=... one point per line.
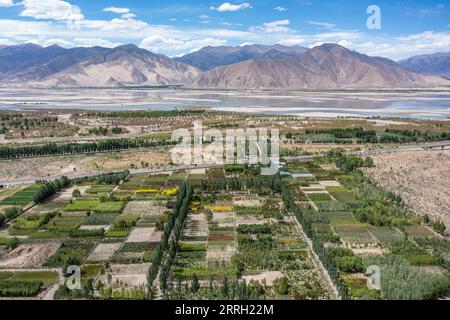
x=144, y=235
x=103, y=251
x=29, y=255
x=144, y=208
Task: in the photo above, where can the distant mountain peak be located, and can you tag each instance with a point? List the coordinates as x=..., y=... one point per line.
x=432, y=64
x=328, y=66
x=210, y=57
x=126, y=65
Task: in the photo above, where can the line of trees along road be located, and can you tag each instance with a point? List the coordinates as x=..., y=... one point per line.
x=173, y=226
x=77, y=148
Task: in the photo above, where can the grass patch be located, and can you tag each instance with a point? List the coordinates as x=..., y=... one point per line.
x=100, y=219
x=82, y=205
x=318, y=197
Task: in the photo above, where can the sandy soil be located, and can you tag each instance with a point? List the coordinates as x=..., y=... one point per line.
x=144, y=208
x=249, y=219
x=247, y=201
x=331, y=183
x=29, y=255
x=421, y=178
x=268, y=276
x=51, y=166
x=127, y=275
x=103, y=251
x=96, y=227
x=144, y=235
x=66, y=194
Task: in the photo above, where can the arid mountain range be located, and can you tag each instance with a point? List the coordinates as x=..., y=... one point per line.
x=435, y=64
x=329, y=66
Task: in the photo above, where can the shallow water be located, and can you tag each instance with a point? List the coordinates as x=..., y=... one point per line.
x=320, y=103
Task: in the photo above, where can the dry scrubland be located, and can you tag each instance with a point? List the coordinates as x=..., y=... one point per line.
x=422, y=179
x=71, y=165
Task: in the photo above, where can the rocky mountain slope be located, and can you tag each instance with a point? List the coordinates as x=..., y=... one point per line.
x=211, y=57
x=328, y=66
x=434, y=64
x=90, y=67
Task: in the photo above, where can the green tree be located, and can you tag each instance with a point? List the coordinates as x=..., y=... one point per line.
x=195, y=286
x=281, y=285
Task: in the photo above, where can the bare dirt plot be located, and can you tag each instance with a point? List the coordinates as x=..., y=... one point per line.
x=250, y=219
x=267, y=276
x=52, y=166
x=66, y=194
x=368, y=251
x=330, y=183
x=328, y=166
x=105, y=227
x=127, y=275
x=420, y=178
x=250, y=201
x=29, y=255
x=103, y=251
x=144, y=208
x=144, y=235
x=197, y=171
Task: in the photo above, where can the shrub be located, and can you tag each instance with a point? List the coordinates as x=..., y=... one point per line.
x=11, y=212
x=438, y=226
x=281, y=286
x=349, y=264
x=12, y=288
x=86, y=233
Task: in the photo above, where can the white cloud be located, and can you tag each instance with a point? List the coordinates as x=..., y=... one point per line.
x=116, y=10
x=91, y=42
x=325, y=25
x=49, y=26
x=232, y=7
x=229, y=24
x=273, y=27
x=403, y=47
x=128, y=15
x=281, y=9
x=292, y=41
x=158, y=43
x=124, y=12
x=51, y=10
x=6, y=42
x=6, y=3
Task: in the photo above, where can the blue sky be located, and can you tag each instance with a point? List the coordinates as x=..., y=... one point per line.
x=175, y=27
